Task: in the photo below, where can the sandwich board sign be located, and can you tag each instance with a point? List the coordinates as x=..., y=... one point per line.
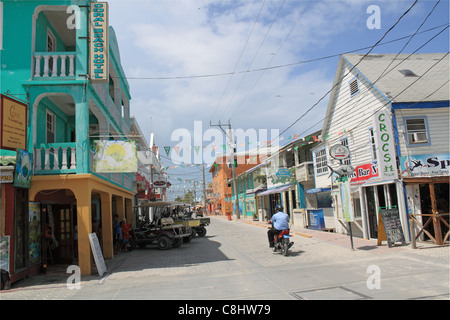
x=97, y=253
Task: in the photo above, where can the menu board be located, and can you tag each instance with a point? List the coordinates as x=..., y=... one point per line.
x=390, y=227
x=97, y=253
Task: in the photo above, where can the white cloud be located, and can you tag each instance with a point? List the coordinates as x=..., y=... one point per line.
x=187, y=38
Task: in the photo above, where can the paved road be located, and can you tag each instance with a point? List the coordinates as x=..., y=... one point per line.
x=233, y=262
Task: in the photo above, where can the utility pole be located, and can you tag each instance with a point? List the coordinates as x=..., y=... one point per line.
x=233, y=169
x=204, y=187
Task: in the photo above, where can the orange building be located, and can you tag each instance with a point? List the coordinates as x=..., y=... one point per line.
x=220, y=201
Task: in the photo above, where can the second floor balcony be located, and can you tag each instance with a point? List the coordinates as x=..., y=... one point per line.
x=54, y=65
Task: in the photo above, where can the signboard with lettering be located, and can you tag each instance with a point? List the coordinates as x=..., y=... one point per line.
x=316, y=221
x=425, y=165
x=347, y=201
x=364, y=173
x=390, y=227
x=97, y=253
x=99, y=42
x=13, y=124
x=384, y=135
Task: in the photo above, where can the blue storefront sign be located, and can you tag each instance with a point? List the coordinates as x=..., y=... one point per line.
x=316, y=219
x=425, y=165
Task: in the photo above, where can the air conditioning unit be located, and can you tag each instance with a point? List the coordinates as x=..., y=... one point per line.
x=304, y=171
x=419, y=137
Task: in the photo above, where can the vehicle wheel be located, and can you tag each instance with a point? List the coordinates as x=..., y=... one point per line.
x=201, y=231
x=187, y=239
x=284, y=248
x=131, y=245
x=177, y=242
x=164, y=242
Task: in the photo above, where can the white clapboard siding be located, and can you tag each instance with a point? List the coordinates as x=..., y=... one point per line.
x=354, y=113
x=438, y=124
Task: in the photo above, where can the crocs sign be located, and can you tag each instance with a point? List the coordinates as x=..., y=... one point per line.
x=384, y=135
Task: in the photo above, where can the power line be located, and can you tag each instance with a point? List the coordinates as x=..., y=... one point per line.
x=255, y=55
x=338, y=82
x=292, y=64
x=239, y=59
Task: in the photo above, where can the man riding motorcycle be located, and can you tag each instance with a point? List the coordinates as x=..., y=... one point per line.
x=280, y=222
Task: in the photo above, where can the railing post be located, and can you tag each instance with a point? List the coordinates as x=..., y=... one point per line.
x=413, y=232
x=37, y=66
x=71, y=65
x=73, y=155
x=38, y=160
x=63, y=66
x=46, y=66
x=64, y=159
x=55, y=158
x=55, y=65
x=46, y=160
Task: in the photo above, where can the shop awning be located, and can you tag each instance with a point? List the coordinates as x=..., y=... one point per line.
x=275, y=190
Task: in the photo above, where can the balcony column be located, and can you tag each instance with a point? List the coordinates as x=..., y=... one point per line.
x=107, y=218
x=84, y=227
x=82, y=45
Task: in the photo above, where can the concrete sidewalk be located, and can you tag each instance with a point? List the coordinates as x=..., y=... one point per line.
x=343, y=240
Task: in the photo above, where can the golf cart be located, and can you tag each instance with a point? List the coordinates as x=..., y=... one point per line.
x=197, y=223
x=158, y=226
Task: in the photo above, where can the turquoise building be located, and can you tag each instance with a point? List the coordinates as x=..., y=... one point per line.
x=61, y=59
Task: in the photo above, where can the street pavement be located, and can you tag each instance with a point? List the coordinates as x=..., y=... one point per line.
x=234, y=262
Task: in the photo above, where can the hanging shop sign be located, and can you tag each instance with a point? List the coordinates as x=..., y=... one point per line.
x=347, y=201
x=99, y=42
x=34, y=235
x=13, y=124
x=339, y=152
x=115, y=156
x=364, y=173
x=24, y=169
x=384, y=135
x=425, y=165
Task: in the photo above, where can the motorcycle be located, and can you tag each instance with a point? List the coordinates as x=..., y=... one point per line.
x=281, y=241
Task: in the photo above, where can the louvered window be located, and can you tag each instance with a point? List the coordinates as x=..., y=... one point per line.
x=354, y=88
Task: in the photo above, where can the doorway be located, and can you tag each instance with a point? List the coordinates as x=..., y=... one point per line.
x=64, y=233
x=372, y=212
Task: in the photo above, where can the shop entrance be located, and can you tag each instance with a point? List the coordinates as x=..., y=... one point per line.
x=274, y=199
x=384, y=195
x=441, y=192
x=60, y=221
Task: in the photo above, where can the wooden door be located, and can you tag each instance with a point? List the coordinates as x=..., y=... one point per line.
x=64, y=227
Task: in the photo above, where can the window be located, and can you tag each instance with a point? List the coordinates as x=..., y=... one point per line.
x=320, y=158
x=50, y=137
x=354, y=87
x=344, y=142
x=373, y=148
x=416, y=131
x=51, y=41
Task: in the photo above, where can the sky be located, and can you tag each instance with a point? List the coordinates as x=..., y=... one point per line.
x=257, y=64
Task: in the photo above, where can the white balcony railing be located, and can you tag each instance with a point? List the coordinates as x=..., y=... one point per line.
x=54, y=64
x=55, y=158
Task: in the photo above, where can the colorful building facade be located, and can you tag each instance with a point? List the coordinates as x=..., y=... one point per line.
x=46, y=64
